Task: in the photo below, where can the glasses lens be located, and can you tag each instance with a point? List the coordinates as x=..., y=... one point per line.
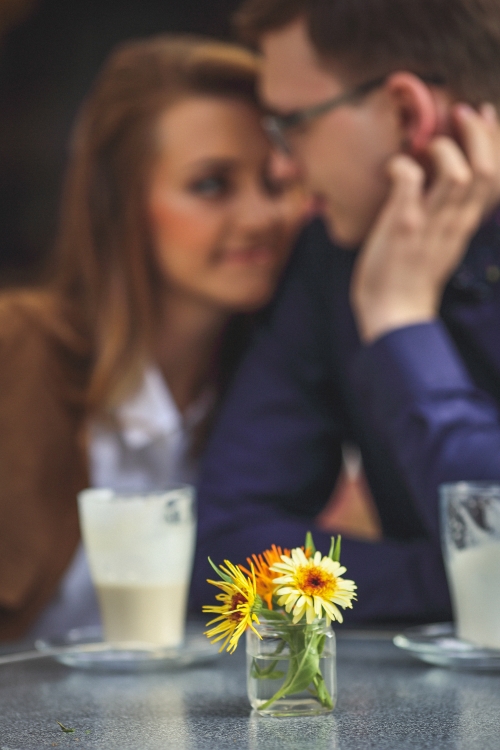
x=275, y=134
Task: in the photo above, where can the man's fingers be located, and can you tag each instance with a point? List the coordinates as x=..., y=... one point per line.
x=477, y=135
x=406, y=175
x=399, y=220
x=452, y=178
x=405, y=198
x=467, y=176
x=488, y=111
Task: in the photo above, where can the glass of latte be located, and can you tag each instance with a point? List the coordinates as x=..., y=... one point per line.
x=470, y=514
x=140, y=549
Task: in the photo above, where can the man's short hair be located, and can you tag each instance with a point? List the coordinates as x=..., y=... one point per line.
x=457, y=40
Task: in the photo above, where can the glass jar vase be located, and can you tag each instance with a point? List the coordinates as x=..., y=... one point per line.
x=291, y=668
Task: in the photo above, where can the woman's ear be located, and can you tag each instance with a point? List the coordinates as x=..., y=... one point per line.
x=416, y=109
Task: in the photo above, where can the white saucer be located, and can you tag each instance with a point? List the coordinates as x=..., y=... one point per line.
x=84, y=648
x=437, y=644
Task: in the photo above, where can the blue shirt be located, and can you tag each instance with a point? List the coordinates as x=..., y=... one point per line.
x=421, y=403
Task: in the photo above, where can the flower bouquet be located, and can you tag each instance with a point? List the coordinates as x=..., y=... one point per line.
x=285, y=601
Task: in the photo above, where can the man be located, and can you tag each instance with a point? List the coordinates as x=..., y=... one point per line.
x=363, y=95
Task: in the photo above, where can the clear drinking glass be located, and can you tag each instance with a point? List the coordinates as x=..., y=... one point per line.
x=140, y=549
x=291, y=668
x=470, y=516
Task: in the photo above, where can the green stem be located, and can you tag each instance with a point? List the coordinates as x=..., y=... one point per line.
x=305, y=671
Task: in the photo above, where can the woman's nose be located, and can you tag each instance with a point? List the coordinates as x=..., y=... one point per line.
x=257, y=211
x=283, y=167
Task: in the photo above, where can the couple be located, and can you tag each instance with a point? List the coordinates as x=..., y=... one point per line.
x=175, y=227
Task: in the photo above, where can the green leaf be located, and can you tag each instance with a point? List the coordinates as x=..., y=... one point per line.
x=309, y=543
x=278, y=674
x=303, y=667
x=219, y=572
x=334, y=553
x=322, y=692
x=65, y=729
x=307, y=667
x=269, y=673
x=332, y=548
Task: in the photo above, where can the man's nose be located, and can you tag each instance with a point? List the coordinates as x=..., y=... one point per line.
x=284, y=167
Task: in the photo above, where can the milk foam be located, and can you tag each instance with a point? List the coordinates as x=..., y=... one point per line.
x=475, y=587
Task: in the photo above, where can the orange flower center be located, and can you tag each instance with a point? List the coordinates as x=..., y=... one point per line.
x=315, y=581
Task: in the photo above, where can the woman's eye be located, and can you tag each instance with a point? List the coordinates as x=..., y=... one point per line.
x=211, y=186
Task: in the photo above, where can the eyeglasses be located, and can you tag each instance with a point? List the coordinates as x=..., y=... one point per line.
x=276, y=126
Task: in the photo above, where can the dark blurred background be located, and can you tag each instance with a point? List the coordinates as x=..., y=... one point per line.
x=50, y=50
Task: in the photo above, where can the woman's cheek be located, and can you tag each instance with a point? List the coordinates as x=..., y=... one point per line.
x=184, y=233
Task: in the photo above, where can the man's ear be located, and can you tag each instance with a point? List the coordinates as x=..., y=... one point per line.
x=416, y=108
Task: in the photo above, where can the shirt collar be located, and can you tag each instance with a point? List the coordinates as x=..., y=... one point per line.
x=151, y=412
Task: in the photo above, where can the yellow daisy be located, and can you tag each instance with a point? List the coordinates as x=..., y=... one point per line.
x=237, y=612
x=264, y=576
x=310, y=585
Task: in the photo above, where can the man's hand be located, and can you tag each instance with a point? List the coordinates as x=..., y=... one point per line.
x=423, y=231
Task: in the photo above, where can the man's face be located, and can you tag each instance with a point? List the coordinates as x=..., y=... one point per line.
x=342, y=154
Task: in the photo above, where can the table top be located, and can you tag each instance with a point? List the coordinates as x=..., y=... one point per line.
x=386, y=701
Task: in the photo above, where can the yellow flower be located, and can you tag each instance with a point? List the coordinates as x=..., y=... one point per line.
x=309, y=586
x=264, y=576
x=237, y=612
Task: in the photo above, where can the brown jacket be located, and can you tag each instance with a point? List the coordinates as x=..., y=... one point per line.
x=43, y=459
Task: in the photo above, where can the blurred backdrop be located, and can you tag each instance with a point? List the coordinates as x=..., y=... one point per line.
x=50, y=50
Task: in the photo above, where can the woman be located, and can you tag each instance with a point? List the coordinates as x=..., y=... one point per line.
x=170, y=227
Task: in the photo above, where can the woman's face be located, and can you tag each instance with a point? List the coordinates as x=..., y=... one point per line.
x=221, y=229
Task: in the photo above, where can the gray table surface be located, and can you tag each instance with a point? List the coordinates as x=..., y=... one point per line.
x=386, y=701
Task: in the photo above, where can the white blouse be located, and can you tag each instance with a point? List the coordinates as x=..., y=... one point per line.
x=148, y=449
